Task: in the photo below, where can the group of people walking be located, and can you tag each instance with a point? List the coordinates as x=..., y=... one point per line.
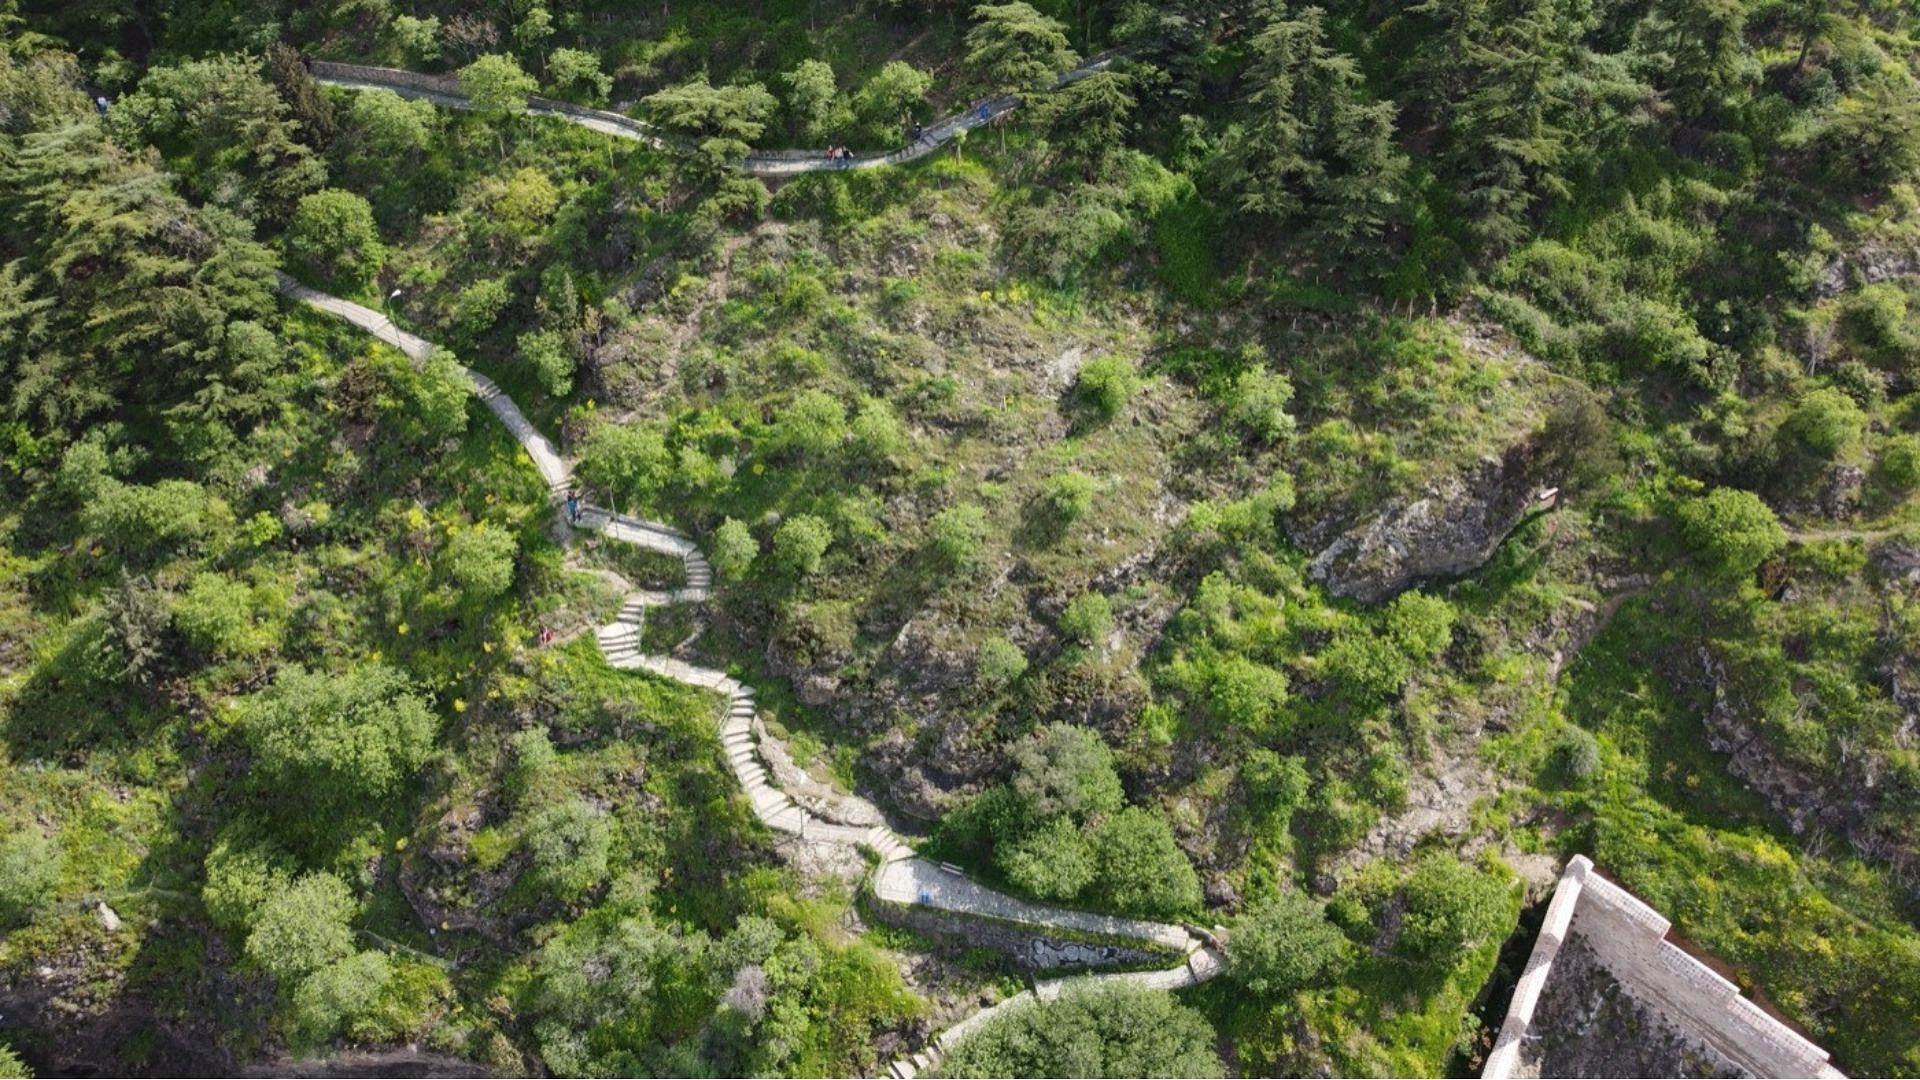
x=840, y=156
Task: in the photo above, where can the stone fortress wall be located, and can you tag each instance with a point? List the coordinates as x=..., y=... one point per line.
x=1630, y=939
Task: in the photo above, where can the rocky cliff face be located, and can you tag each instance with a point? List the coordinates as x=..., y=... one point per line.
x=1449, y=529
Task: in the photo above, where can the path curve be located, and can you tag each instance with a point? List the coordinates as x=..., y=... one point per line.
x=444, y=90
x=902, y=877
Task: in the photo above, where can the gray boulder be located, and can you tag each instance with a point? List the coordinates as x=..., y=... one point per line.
x=1449, y=529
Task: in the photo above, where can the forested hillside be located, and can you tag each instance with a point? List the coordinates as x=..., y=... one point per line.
x=1306, y=472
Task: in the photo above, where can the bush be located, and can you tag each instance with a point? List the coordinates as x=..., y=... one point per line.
x=550, y=356
x=1827, y=422
x=1258, y=402
x=959, y=536
x=527, y=203
x=1087, y=619
x=1053, y=862
x=1091, y=1030
x=631, y=464
x=1283, y=945
x=1069, y=496
x=878, y=435
x=302, y=928
x=812, y=424
x=578, y=69
x=1106, y=385
x=1421, y=625
x=29, y=872
x=1899, y=464
x=1368, y=668
x=340, y=992
x=800, y=543
x=480, y=558
x=1732, y=530
x=478, y=307
x=1578, y=754
x=496, y=84
x=734, y=550
x=570, y=843
x=216, y=615
x=1000, y=663
x=344, y=741
x=1065, y=771
x=1451, y=910
x=240, y=877
x=333, y=236
x=1142, y=870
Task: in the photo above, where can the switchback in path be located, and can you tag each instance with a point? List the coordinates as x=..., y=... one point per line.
x=902, y=878
x=444, y=90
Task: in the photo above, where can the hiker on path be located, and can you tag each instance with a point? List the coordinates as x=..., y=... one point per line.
x=100, y=103
x=919, y=133
x=573, y=506
x=986, y=112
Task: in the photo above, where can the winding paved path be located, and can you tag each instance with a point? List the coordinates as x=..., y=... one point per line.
x=902, y=877
x=444, y=90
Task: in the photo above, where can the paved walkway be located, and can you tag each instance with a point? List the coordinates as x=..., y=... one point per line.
x=444, y=90
x=902, y=877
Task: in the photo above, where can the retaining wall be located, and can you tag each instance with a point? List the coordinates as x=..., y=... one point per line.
x=1630, y=939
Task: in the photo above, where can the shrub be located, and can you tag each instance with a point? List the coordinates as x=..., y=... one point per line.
x=343, y=740
x=812, y=424
x=1451, y=909
x=342, y=991
x=1578, y=754
x=1245, y=695
x=1369, y=668
x=216, y=614
x=333, y=236
x=303, y=927
x=1732, y=530
x=1053, y=862
x=240, y=877
x=391, y=125
x=1142, y=870
x=29, y=872
x=1899, y=464
x=734, y=549
x=550, y=356
x=478, y=306
x=800, y=543
x=1091, y=1030
x=878, y=435
x=570, y=843
x=496, y=84
x=1069, y=496
x=1421, y=625
x=1827, y=422
x=1258, y=401
x=959, y=535
x=1106, y=385
x=417, y=37
x=1065, y=771
x=527, y=202
x=1087, y=619
x=480, y=558
x=629, y=462
x=1283, y=945
x=579, y=69
x=1000, y=663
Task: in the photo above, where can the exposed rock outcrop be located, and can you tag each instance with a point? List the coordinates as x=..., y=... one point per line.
x=1449, y=529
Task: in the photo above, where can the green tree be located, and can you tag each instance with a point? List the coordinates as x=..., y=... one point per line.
x=1065, y=772
x=1733, y=530
x=479, y=559
x=344, y=990
x=723, y=121
x=800, y=543
x=343, y=741
x=1091, y=1030
x=1052, y=862
x=1091, y=118
x=578, y=69
x=389, y=126
x=734, y=549
x=134, y=619
x=1087, y=619
x=496, y=85
x=628, y=462
x=1017, y=49
x=303, y=927
x=1142, y=870
x=1899, y=462
x=550, y=354
x=1282, y=945
x=887, y=101
x=959, y=536
x=333, y=236
x=418, y=38
x=813, y=96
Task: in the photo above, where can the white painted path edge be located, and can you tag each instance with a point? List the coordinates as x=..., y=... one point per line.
x=902, y=877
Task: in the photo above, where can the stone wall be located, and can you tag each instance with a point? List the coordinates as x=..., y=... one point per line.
x=1031, y=951
x=1631, y=941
